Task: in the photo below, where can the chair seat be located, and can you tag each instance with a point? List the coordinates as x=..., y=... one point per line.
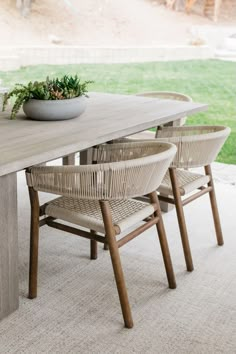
x=188, y=182
x=87, y=213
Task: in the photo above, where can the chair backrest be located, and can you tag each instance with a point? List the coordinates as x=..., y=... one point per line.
x=196, y=145
x=169, y=95
x=129, y=170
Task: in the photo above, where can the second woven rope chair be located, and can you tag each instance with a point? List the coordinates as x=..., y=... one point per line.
x=197, y=146
x=100, y=198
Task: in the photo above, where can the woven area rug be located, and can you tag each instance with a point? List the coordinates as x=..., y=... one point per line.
x=77, y=309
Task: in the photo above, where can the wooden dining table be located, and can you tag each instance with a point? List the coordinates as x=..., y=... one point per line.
x=25, y=142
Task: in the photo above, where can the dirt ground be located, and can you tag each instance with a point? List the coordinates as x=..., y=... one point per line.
x=103, y=23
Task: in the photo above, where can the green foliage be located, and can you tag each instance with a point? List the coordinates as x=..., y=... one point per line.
x=51, y=89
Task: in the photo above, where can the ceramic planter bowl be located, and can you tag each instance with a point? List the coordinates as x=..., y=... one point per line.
x=54, y=109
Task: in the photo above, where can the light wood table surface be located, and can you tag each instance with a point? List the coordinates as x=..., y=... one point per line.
x=24, y=142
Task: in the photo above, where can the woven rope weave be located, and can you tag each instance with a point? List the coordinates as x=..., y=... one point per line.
x=187, y=182
x=87, y=213
x=138, y=170
x=196, y=145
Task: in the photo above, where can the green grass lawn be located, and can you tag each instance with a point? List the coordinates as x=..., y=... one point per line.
x=208, y=81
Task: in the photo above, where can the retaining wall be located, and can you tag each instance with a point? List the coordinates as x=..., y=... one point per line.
x=12, y=58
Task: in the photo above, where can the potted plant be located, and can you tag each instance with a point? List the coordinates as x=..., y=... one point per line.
x=52, y=99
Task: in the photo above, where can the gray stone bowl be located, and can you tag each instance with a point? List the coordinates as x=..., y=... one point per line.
x=54, y=109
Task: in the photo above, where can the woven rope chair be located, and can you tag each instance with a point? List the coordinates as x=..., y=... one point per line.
x=100, y=198
x=197, y=146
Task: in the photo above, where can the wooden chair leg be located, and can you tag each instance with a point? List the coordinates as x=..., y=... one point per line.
x=93, y=247
x=116, y=263
x=164, y=244
x=214, y=207
x=181, y=220
x=34, y=241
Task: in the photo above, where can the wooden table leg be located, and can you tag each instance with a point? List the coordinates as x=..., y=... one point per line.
x=85, y=157
x=166, y=207
x=69, y=159
x=9, y=285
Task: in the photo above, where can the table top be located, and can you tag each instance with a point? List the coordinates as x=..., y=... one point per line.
x=24, y=142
